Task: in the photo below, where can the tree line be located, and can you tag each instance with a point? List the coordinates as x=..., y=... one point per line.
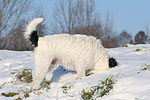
x=70, y=16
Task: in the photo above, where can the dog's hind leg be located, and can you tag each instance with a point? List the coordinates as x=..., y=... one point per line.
x=41, y=67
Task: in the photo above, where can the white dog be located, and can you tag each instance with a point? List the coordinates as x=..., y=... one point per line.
x=75, y=52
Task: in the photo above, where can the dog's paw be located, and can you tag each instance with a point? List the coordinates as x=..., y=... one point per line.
x=48, y=77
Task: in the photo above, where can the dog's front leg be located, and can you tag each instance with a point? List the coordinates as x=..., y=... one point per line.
x=41, y=67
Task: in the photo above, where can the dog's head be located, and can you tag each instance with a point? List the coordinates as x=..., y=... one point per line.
x=112, y=62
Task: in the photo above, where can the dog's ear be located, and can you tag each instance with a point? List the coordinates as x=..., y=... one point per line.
x=112, y=62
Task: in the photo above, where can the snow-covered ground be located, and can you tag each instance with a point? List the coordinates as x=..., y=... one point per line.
x=131, y=84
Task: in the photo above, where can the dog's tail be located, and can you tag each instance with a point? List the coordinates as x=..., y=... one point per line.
x=31, y=32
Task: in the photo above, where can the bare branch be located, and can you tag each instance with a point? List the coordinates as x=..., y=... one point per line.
x=12, y=9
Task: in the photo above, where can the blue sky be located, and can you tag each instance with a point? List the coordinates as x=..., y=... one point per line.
x=130, y=15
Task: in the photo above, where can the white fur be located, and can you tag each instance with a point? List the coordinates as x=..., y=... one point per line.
x=32, y=27
x=75, y=52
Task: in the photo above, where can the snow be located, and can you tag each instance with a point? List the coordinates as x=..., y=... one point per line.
x=132, y=83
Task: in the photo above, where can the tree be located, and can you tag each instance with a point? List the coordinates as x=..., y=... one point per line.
x=7, y=10
x=42, y=28
x=148, y=32
x=110, y=42
x=109, y=38
x=10, y=13
x=124, y=38
x=17, y=39
x=12, y=34
x=80, y=17
x=76, y=16
x=108, y=25
x=140, y=38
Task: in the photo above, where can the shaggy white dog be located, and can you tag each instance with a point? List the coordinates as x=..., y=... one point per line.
x=74, y=52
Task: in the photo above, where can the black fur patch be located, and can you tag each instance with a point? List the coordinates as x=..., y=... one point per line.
x=34, y=38
x=112, y=62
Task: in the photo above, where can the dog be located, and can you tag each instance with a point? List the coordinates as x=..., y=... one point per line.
x=74, y=52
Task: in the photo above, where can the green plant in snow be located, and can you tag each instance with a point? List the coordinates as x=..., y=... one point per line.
x=19, y=98
x=89, y=73
x=9, y=94
x=45, y=85
x=125, y=45
x=25, y=75
x=67, y=87
x=145, y=67
x=100, y=90
x=2, y=85
x=138, y=49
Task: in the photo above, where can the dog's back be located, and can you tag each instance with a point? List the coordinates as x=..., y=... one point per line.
x=69, y=47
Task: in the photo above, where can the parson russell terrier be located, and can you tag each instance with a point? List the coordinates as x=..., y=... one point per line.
x=74, y=52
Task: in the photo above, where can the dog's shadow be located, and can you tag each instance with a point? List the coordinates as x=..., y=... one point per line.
x=59, y=72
